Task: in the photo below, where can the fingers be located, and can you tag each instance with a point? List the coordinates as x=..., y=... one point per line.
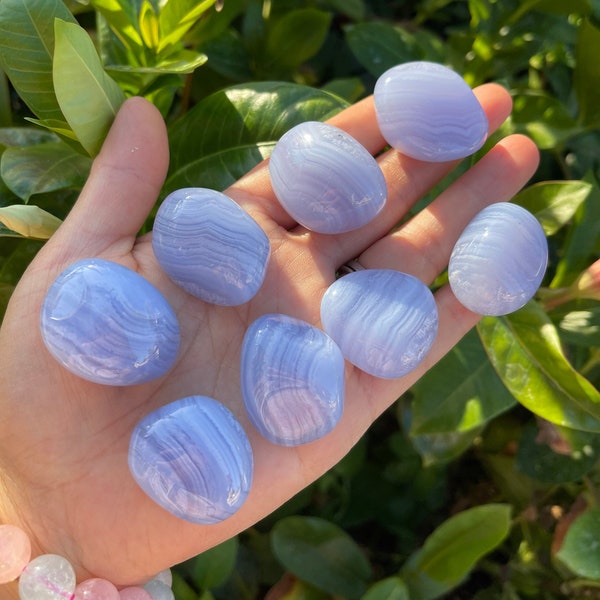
x=123, y=186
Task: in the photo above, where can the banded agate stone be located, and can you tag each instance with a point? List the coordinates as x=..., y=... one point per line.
x=107, y=324
x=193, y=458
x=429, y=112
x=384, y=321
x=292, y=377
x=210, y=246
x=499, y=261
x=325, y=179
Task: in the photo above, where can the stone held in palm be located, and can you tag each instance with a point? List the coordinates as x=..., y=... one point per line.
x=384, y=321
x=210, y=246
x=499, y=261
x=325, y=179
x=107, y=324
x=292, y=379
x=193, y=458
x=428, y=112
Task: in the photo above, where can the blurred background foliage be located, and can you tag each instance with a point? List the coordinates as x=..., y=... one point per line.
x=483, y=481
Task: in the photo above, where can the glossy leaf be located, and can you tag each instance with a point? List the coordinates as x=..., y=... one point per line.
x=392, y=588
x=452, y=550
x=25, y=136
x=177, y=17
x=234, y=129
x=148, y=25
x=554, y=202
x=121, y=17
x=580, y=550
x=43, y=168
x=586, y=77
x=182, y=62
x=441, y=448
x=26, y=39
x=526, y=352
x=578, y=323
x=214, y=566
x=88, y=97
x=321, y=554
x=29, y=221
x=461, y=392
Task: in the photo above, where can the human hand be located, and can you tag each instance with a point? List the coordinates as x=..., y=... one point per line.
x=64, y=441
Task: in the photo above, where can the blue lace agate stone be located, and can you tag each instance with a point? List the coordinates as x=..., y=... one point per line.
x=325, y=179
x=193, y=458
x=384, y=321
x=292, y=377
x=499, y=261
x=210, y=246
x=429, y=112
x=105, y=323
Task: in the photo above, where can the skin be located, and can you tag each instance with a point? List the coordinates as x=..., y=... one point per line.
x=64, y=441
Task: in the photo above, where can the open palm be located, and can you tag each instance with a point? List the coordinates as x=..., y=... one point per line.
x=64, y=441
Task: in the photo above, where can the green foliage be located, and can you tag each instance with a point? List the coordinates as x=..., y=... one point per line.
x=507, y=423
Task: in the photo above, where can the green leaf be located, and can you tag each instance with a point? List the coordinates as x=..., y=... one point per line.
x=452, y=550
x=6, y=291
x=182, y=62
x=578, y=322
x=148, y=25
x=580, y=550
x=5, y=104
x=392, y=588
x=177, y=17
x=586, y=77
x=122, y=19
x=526, y=352
x=321, y=554
x=25, y=136
x=461, y=392
x=27, y=40
x=228, y=56
x=554, y=202
x=233, y=130
x=213, y=567
x=29, y=221
x=43, y=168
x=380, y=46
x=88, y=97
x=441, y=448
x=297, y=36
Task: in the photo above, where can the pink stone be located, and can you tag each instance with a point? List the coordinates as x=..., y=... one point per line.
x=135, y=593
x=96, y=589
x=15, y=552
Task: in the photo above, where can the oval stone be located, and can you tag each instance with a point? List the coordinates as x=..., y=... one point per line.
x=292, y=377
x=210, y=246
x=429, y=112
x=499, y=261
x=107, y=324
x=193, y=458
x=384, y=321
x=325, y=179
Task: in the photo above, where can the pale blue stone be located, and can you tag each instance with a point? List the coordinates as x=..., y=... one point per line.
x=210, y=246
x=384, y=321
x=429, y=112
x=325, y=179
x=107, y=324
x=193, y=458
x=292, y=377
x=499, y=261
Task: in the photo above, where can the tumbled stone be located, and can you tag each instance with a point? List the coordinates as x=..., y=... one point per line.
x=292, y=377
x=325, y=179
x=210, y=246
x=107, y=324
x=499, y=261
x=427, y=111
x=384, y=321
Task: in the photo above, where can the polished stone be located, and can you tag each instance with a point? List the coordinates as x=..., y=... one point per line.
x=96, y=589
x=428, y=112
x=384, y=321
x=325, y=179
x=292, y=377
x=47, y=577
x=105, y=323
x=499, y=261
x=210, y=246
x=193, y=458
x=15, y=552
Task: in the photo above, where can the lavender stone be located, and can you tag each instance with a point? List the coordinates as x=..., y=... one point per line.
x=499, y=261
x=429, y=112
x=107, y=324
x=193, y=458
x=292, y=380
x=384, y=321
x=325, y=179
x=210, y=246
